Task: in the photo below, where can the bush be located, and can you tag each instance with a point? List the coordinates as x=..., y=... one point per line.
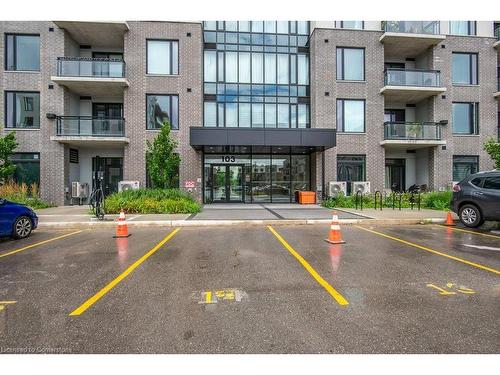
x=436, y=200
x=23, y=194
x=152, y=201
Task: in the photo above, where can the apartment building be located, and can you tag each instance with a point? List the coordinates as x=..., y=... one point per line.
x=260, y=109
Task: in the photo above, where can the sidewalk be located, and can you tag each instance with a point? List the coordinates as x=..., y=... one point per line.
x=242, y=214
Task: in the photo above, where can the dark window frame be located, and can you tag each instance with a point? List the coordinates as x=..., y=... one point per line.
x=171, y=56
x=13, y=120
x=15, y=161
x=471, y=28
x=454, y=157
x=471, y=74
x=340, y=77
x=474, y=118
x=15, y=52
x=170, y=103
x=342, y=129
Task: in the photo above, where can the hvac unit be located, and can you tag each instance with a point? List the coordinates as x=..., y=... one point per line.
x=79, y=189
x=362, y=186
x=337, y=187
x=128, y=185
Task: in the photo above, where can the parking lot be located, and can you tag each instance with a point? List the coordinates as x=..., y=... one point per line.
x=254, y=289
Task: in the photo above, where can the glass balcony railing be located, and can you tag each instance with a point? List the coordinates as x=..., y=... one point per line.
x=411, y=27
x=412, y=77
x=90, y=67
x=497, y=33
x=415, y=131
x=90, y=126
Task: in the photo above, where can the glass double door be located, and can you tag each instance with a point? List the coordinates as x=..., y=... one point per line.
x=227, y=183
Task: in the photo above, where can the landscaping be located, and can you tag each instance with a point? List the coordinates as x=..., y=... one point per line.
x=152, y=201
x=23, y=194
x=435, y=200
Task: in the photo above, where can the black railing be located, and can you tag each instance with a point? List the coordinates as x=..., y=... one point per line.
x=90, y=67
x=412, y=77
x=411, y=27
x=429, y=131
x=90, y=126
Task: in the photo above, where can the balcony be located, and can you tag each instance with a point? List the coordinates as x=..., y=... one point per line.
x=91, y=76
x=410, y=38
x=497, y=35
x=404, y=135
x=411, y=85
x=79, y=130
x=97, y=34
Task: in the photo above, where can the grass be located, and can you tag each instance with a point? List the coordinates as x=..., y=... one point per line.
x=22, y=193
x=152, y=201
x=436, y=200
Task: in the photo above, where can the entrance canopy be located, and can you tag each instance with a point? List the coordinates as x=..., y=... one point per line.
x=301, y=140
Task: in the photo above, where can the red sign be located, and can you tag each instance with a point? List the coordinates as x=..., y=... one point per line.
x=189, y=184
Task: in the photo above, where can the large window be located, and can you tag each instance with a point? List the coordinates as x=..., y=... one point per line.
x=464, y=70
x=162, y=57
x=462, y=27
x=351, y=64
x=465, y=118
x=22, y=52
x=27, y=167
x=22, y=109
x=161, y=109
x=464, y=166
x=350, y=115
x=351, y=168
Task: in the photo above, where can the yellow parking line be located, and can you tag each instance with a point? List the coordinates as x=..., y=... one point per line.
x=41, y=243
x=80, y=310
x=470, y=231
x=495, y=271
x=336, y=295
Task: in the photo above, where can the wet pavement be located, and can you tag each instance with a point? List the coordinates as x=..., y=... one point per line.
x=409, y=289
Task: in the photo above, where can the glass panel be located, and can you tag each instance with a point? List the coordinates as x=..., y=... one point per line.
x=220, y=114
x=23, y=110
x=210, y=25
x=270, y=115
x=174, y=115
x=303, y=69
x=231, y=114
x=175, y=57
x=270, y=68
x=492, y=183
x=244, y=115
x=283, y=116
x=282, y=27
x=462, y=118
x=10, y=52
x=27, y=52
x=352, y=25
x=210, y=66
x=261, y=178
x=244, y=66
x=459, y=27
x=303, y=115
x=231, y=26
x=354, y=115
x=302, y=27
x=461, y=68
x=354, y=64
x=257, y=26
x=231, y=67
x=27, y=168
x=257, y=115
x=300, y=174
x=244, y=25
x=220, y=73
x=340, y=63
x=235, y=183
x=159, y=111
x=280, y=169
x=283, y=69
x=158, y=57
x=464, y=166
x=219, y=182
x=210, y=114
x=270, y=27
x=257, y=68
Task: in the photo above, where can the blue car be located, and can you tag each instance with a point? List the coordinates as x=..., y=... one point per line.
x=16, y=220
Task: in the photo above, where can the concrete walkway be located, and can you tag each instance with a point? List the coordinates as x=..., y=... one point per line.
x=241, y=214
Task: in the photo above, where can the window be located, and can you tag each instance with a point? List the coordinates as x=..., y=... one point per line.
x=351, y=64
x=492, y=183
x=463, y=27
x=351, y=25
x=27, y=167
x=162, y=57
x=22, y=109
x=464, y=69
x=22, y=52
x=464, y=166
x=351, y=168
x=465, y=118
x=350, y=116
x=161, y=109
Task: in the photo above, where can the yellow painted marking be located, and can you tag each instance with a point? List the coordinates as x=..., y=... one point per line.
x=336, y=295
x=41, y=243
x=4, y=303
x=470, y=231
x=495, y=271
x=441, y=290
x=80, y=310
x=208, y=297
x=460, y=289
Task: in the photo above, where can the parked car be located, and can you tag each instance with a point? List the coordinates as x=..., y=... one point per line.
x=16, y=220
x=477, y=198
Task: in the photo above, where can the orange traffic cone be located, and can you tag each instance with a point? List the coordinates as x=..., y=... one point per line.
x=334, y=236
x=122, y=228
x=449, y=220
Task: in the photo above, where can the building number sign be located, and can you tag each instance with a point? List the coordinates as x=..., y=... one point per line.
x=228, y=158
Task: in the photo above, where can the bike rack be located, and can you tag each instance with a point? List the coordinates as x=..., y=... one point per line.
x=412, y=199
x=360, y=194
x=400, y=195
x=379, y=193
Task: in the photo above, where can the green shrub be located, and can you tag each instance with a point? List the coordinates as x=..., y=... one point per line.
x=437, y=200
x=23, y=194
x=152, y=201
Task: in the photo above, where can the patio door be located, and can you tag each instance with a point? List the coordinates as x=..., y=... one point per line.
x=395, y=178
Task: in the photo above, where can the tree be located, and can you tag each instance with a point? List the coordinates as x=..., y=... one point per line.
x=161, y=160
x=492, y=147
x=7, y=146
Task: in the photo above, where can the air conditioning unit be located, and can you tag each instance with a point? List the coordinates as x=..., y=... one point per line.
x=362, y=186
x=79, y=189
x=128, y=185
x=337, y=187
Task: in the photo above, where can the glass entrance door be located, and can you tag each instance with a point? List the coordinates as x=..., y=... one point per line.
x=227, y=183
x=395, y=174
x=113, y=173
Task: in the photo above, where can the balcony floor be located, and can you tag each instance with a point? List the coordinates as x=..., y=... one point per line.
x=409, y=94
x=91, y=141
x=410, y=144
x=408, y=45
x=93, y=86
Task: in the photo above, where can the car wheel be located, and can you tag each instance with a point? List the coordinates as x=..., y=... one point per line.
x=22, y=227
x=470, y=216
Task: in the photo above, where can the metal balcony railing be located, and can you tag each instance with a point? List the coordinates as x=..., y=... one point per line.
x=90, y=126
x=417, y=131
x=412, y=27
x=90, y=67
x=412, y=77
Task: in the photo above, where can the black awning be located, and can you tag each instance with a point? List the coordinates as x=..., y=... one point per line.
x=313, y=139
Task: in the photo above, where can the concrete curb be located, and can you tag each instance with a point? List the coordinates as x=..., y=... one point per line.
x=211, y=223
